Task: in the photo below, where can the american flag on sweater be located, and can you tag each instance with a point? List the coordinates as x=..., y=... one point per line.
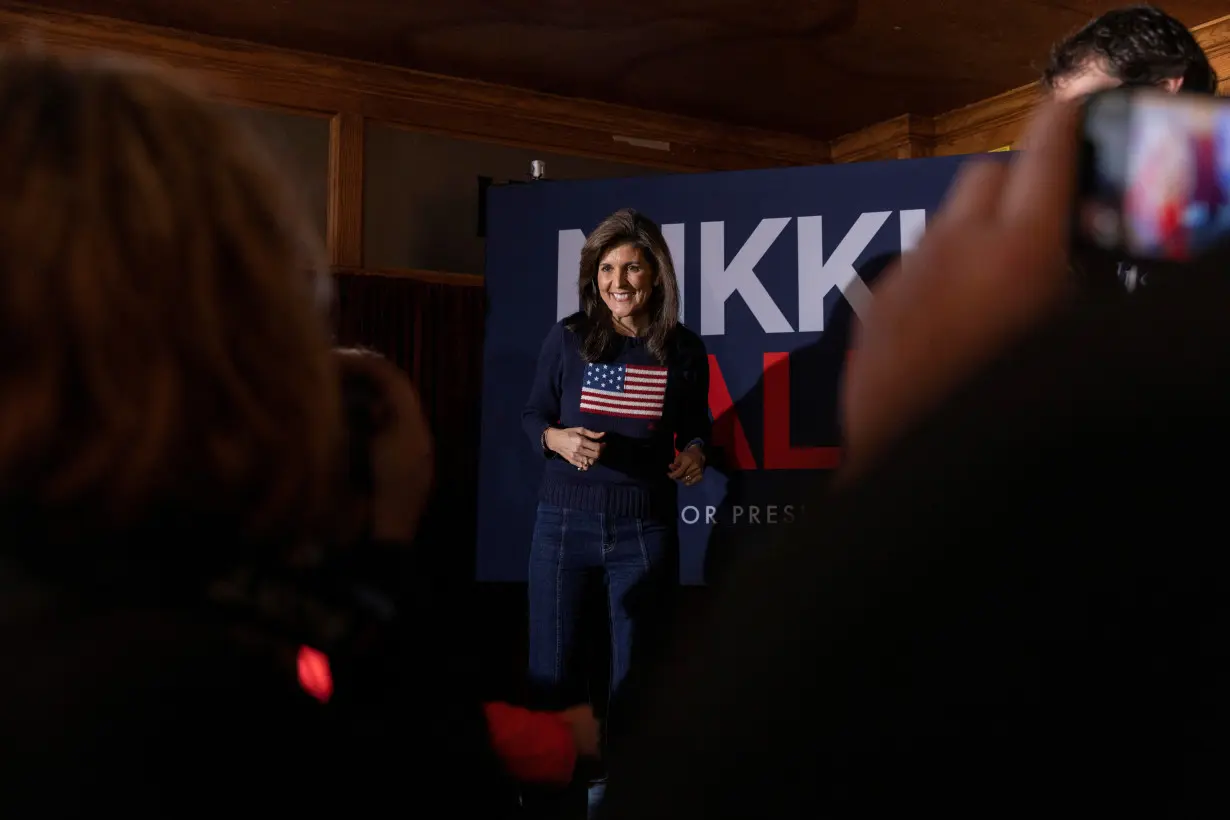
x=629, y=391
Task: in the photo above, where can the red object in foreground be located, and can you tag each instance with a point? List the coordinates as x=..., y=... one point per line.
x=314, y=674
x=535, y=747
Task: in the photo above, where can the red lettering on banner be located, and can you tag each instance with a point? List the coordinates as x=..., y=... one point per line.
x=779, y=453
x=727, y=429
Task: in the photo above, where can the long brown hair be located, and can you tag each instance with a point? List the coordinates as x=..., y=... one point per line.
x=165, y=352
x=599, y=337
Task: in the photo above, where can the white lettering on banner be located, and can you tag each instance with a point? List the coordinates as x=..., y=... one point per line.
x=674, y=236
x=913, y=224
x=567, y=265
x=770, y=514
x=818, y=276
x=719, y=281
x=691, y=514
x=568, y=257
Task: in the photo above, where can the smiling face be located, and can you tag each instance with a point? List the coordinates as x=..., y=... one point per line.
x=625, y=282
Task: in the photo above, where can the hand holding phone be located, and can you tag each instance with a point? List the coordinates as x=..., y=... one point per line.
x=1154, y=179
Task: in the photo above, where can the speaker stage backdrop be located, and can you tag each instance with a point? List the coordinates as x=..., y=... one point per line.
x=773, y=265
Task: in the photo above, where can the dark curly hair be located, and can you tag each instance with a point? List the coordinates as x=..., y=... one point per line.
x=1138, y=45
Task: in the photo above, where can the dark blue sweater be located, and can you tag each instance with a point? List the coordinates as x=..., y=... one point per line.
x=647, y=410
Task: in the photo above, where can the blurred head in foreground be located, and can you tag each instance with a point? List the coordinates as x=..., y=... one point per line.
x=389, y=461
x=166, y=365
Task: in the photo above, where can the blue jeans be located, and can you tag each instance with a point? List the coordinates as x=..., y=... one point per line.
x=638, y=559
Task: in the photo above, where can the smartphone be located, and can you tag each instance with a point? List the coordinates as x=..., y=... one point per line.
x=1154, y=177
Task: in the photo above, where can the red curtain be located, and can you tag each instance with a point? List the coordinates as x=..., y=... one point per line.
x=434, y=331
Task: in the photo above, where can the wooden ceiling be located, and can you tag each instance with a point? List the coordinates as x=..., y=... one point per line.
x=819, y=68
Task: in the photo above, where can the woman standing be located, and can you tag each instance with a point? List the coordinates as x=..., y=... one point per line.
x=619, y=407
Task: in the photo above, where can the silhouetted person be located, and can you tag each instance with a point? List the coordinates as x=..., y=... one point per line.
x=1011, y=605
x=1137, y=45
x=817, y=368
x=170, y=430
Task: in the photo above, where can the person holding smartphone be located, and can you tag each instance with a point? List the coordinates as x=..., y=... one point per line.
x=1010, y=606
x=1132, y=46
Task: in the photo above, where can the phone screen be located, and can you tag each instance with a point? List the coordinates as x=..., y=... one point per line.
x=1156, y=176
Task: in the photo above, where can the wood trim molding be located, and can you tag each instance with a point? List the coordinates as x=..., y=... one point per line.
x=352, y=92
x=251, y=74
x=991, y=123
x=344, y=223
x=904, y=137
x=429, y=276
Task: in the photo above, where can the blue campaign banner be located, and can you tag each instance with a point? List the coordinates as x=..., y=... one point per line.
x=773, y=267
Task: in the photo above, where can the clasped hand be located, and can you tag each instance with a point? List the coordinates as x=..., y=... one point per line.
x=688, y=467
x=582, y=447
x=576, y=445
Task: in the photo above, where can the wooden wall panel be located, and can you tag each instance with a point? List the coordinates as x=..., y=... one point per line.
x=259, y=75
x=434, y=276
x=287, y=80
x=904, y=137
x=991, y=123
x=345, y=220
x=986, y=125
x=351, y=93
